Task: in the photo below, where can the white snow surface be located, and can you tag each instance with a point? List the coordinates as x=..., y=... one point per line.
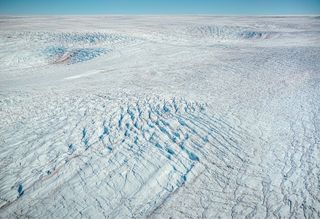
x=159, y=117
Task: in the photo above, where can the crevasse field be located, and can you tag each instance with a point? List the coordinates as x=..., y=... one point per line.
x=159, y=117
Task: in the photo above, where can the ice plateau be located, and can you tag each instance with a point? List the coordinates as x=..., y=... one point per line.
x=159, y=117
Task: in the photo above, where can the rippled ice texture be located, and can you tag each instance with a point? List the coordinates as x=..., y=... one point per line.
x=159, y=117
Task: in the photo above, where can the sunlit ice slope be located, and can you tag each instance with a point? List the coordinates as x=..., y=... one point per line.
x=159, y=117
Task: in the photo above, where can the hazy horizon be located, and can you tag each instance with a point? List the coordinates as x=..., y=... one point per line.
x=166, y=7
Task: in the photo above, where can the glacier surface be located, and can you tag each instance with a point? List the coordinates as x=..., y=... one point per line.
x=159, y=117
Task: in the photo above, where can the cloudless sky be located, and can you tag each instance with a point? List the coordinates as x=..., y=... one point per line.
x=215, y=7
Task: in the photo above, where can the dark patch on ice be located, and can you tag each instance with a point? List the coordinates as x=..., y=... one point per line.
x=193, y=157
x=170, y=151
x=71, y=148
x=20, y=190
x=85, y=138
x=62, y=55
x=228, y=33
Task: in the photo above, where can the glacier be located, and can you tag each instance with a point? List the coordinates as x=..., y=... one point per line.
x=159, y=117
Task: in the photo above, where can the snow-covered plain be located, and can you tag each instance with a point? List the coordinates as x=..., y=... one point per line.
x=159, y=117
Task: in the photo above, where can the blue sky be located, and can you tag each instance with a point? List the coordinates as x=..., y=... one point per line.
x=215, y=7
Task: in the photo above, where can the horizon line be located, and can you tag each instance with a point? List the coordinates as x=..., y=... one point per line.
x=169, y=14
